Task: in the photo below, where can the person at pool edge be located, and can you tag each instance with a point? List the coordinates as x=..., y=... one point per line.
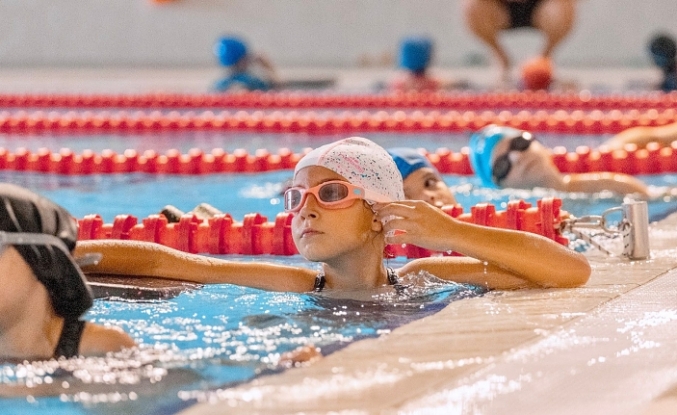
x=507, y=157
x=347, y=204
x=247, y=71
x=43, y=292
x=487, y=18
x=414, y=60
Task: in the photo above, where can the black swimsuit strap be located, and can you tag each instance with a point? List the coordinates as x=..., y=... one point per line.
x=69, y=342
x=319, y=282
x=392, y=280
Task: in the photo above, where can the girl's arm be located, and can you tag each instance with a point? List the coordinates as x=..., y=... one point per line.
x=500, y=258
x=147, y=259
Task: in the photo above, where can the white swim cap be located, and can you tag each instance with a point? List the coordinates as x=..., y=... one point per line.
x=362, y=162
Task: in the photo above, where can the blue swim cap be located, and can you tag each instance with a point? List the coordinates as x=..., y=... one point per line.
x=229, y=50
x=408, y=160
x=482, y=145
x=415, y=53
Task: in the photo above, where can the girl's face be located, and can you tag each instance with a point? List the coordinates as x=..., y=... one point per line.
x=427, y=185
x=322, y=234
x=531, y=168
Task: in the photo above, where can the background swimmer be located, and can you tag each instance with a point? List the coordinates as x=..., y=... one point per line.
x=421, y=180
x=337, y=224
x=42, y=290
x=246, y=71
x=414, y=59
x=508, y=157
x=663, y=50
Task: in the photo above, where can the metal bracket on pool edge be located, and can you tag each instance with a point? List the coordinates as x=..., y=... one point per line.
x=633, y=227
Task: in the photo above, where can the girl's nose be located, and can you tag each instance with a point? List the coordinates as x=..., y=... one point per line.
x=309, y=206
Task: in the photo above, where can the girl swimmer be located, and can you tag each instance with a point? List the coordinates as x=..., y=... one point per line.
x=347, y=204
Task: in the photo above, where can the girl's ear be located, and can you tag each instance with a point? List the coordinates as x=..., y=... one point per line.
x=376, y=224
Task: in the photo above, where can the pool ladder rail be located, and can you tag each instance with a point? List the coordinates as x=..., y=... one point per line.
x=255, y=235
x=633, y=227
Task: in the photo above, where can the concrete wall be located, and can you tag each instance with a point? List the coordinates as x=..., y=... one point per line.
x=310, y=33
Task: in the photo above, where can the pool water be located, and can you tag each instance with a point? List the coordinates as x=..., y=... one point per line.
x=214, y=337
x=142, y=194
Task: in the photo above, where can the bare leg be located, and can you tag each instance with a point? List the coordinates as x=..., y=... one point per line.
x=554, y=18
x=486, y=18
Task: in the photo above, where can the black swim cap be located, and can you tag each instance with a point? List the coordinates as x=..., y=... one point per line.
x=663, y=50
x=24, y=211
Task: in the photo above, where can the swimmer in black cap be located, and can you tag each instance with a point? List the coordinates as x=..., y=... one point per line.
x=43, y=292
x=663, y=51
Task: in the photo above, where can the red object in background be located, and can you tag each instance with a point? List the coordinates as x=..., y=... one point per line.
x=537, y=74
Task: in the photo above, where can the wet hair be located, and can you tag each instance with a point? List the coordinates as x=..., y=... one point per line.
x=26, y=212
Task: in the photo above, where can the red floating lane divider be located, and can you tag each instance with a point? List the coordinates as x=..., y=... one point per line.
x=330, y=122
x=654, y=159
x=515, y=100
x=255, y=235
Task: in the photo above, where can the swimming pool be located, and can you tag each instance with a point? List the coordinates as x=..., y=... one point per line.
x=191, y=345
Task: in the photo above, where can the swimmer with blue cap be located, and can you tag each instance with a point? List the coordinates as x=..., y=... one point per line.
x=415, y=56
x=420, y=178
x=506, y=157
x=43, y=292
x=247, y=71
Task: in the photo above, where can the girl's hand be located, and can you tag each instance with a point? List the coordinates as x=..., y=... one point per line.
x=416, y=222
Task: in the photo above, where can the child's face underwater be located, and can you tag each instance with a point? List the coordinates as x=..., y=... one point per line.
x=321, y=234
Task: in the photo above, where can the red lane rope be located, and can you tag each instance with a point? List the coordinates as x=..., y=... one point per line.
x=654, y=159
x=296, y=100
x=255, y=235
x=329, y=122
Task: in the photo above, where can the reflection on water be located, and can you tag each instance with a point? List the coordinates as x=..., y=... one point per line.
x=211, y=338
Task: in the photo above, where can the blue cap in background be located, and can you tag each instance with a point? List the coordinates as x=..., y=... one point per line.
x=415, y=53
x=482, y=145
x=408, y=160
x=229, y=50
